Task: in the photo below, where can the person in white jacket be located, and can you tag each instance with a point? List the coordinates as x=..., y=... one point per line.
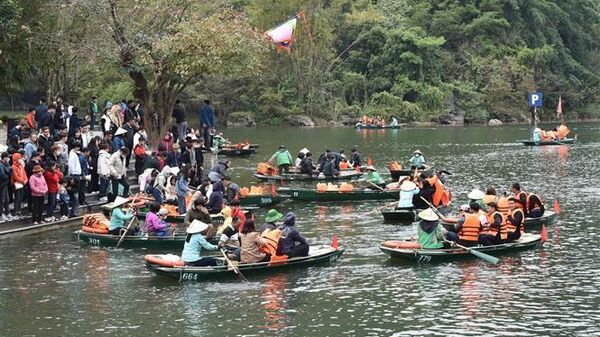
x=118, y=172
x=103, y=170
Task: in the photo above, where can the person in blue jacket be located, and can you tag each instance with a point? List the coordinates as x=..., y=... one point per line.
x=207, y=121
x=194, y=242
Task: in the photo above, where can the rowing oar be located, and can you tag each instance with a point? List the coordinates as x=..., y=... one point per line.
x=235, y=269
x=383, y=190
x=483, y=256
x=134, y=218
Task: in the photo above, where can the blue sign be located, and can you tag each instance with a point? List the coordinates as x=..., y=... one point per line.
x=535, y=99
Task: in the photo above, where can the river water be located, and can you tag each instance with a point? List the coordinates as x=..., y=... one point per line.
x=52, y=286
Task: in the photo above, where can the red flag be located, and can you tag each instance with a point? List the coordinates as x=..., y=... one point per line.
x=334, y=242
x=556, y=206
x=369, y=161
x=544, y=234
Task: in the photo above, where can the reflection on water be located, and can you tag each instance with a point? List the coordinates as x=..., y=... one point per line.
x=50, y=286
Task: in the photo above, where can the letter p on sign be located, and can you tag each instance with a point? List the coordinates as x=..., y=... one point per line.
x=535, y=99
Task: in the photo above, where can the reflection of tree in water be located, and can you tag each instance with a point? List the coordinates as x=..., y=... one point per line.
x=274, y=301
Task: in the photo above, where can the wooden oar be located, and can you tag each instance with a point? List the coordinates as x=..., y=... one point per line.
x=483, y=256
x=235, y=269
x=383, y=190
x=134, y=218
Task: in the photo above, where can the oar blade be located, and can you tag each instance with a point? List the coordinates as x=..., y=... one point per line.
x=483, y=256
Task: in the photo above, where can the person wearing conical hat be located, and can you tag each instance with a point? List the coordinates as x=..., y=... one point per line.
x=408, y=190
x=417, y=160
x=477, y=196
x=194, y=243
x=373, y=177
x=430, y=233
x=119, y=219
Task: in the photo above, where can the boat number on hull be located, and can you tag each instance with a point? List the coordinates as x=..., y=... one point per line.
x=93, y=241
x=265, y=200
x=189, y=277
x=333, y=258
x=423, y=258
x=295, y=194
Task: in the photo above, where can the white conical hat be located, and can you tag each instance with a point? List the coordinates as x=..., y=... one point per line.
x=428, y=215
x=476, y=194
x=196, y=226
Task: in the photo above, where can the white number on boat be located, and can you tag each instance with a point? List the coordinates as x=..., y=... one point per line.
x=295, y=194
x=93, y=241
x=189, y=277
x=265, y=200
x=333, y=258
x=424, y=258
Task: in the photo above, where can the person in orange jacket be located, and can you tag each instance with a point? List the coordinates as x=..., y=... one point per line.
x=19, y=180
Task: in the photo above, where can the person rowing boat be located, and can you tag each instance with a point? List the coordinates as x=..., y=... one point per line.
x=430, y=233
x=417, y=160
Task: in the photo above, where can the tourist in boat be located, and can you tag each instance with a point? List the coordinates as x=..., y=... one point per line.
x=519, y=195
x=535, y=206
x=298, y=161
x=514, y=220
x=119, y=219
x=494, y=231
x=490, y=196
x=232, y=190
x=373, y=177
x=155, y=225
x=230, y=240
x=329, y=169
x=344, y=165
x=537, y=135
x=355, y=160
x=306, y=166
x=408, y=190
x=194, y=243
x=199, y=212
x=467, y=225
x=477, y=196
x=323, y=159
x=417, y=160
x=271, y=220
x=182, y=189
x=227, y=219
x=430, y=233
x=291, y=243
x=283, y=159
x=215, y=200
x=251, y=243
x=426, y=191
x=394, y=122
x=476, y=209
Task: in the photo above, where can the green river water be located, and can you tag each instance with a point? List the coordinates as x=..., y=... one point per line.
x=50, y=285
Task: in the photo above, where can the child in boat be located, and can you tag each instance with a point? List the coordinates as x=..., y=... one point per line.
x=194, y=242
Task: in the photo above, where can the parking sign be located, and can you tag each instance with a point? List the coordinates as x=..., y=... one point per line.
x=535, y=99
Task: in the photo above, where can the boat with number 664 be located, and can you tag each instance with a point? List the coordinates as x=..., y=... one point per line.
x=172, y=266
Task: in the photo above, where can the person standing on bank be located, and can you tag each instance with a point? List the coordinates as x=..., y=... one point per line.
x=93, y=112
x=207, y=121
x=182, y=125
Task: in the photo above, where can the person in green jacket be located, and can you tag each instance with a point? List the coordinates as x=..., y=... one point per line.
x=119, y=220
x=283, y=159
x=430, y=233
x=374, y=177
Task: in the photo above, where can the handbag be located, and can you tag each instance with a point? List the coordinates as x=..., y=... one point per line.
x=18, y=186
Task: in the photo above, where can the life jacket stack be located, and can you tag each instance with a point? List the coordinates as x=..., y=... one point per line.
x=256, y=190
x=332, y=187
x=346, y=187
x=265, y=169
x=321, y=187
x=171, y=209
x=95, y=223
x=244, y=192
x=395, y=166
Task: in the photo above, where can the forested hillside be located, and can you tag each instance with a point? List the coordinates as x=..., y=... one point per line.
x=418, y=60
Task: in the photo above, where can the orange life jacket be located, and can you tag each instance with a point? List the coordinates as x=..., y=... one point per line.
x=537, y=205
x=344, y=165
x=562, y=131
x=440, y=196
x=518, y=200
x=494, y=231
x=503, y=206
x=470, y=228
x=511, y=227
x=272, y=236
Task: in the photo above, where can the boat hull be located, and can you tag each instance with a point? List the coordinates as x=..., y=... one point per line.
x=236, y=152
x=317, y=256
x=305, y=194
x=404, y=216
x=263, y=200
x=566, y=141
x=527, y=241
x=307, y=177
x=377, y=127
x=129, y=241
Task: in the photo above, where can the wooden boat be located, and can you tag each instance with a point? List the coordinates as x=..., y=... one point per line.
x=233, y=151
x=566, y=141
x=427, y=255
x=307, y=194
x=344, y=175
x=317, y=255
x=396, y=174
x=405, y=216
x=131, y=241
x=372, y=126
x=262, y=200
x=530, y=223
x=217, y=219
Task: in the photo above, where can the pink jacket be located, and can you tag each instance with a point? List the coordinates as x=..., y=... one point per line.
x=38, y=185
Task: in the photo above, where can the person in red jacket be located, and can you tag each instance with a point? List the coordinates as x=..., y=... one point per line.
x=53, y=175
x=19, y=180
